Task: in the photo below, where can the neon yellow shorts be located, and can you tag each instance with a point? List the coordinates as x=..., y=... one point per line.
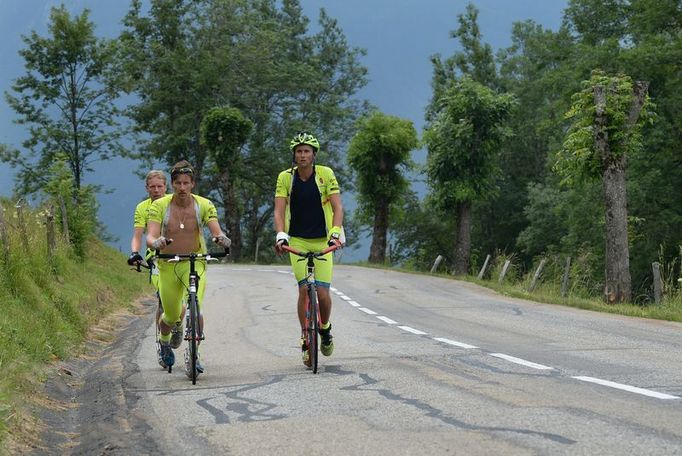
x=323, y=269
x=173, y=287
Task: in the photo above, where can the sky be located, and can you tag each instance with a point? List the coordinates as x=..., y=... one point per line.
x=398, y=35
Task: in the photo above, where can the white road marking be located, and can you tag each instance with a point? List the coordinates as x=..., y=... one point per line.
x=632, y=389
x=453, y=342
x=513, y=359
x=523, y=362
x=367, y=311
x=412, y=330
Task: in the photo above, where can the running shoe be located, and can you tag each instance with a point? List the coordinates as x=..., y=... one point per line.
x=167, y=355
x=305, y=353
x=159, y=357
x=327, y=342
x=176, y=335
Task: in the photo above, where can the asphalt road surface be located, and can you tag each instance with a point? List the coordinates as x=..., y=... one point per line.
x=422, y=365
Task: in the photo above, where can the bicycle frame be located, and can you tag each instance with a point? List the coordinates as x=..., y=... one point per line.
x=312, y=310
x=193, y=333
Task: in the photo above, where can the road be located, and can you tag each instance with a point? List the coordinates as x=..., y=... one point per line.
x=422, y=365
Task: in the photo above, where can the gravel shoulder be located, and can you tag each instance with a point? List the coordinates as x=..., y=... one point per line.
x=88, y=410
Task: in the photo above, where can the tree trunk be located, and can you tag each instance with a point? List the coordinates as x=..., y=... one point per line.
x=617, y=280
x=463, y=239
x=617, y=286
x=377, y=251
x=232, y=216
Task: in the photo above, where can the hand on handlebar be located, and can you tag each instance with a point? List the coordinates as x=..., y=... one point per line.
x=135, y=259
x=335, y=240
x=281, y=239
x=223, y=241
x=160, y=243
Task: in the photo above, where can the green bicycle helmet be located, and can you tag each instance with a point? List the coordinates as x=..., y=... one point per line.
x=304, y=138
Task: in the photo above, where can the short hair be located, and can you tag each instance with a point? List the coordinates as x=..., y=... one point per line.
x=182, y=167
x=155, y=173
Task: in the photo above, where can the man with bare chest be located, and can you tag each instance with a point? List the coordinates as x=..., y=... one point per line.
x=180, y=217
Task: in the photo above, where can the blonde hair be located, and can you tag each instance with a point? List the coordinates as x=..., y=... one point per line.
x=155, y=173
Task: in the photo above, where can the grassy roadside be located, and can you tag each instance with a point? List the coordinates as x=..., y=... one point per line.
x=48, y=306
x=670, y=309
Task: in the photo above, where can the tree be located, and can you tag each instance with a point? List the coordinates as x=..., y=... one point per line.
x=462, y=142
x=224, y=131
x=607, y=118
x=185, y=57
x=474, y=60
x=66, y=101
x=379, y=155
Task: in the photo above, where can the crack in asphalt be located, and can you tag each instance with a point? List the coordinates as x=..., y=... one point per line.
x=438, y=414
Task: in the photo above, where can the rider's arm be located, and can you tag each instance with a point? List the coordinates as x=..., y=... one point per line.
x=136, y=241
x=280, y=207
x=214, y=228
x=153, y=232
x=337, y=208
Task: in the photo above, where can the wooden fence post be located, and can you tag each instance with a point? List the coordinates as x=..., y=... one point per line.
x=3, y=235
x=485, y=266
x=22, y=225
x=65, y=218
x=657, y=282
x=436, y=264
x=504, y=271
x=49, y=225
x=564, y=281
x=536, y=276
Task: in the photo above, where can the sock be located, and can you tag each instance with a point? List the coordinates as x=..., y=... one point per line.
x=326, y=325
x=165, y=338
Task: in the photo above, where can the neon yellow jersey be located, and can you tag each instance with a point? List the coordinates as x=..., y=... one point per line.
x=141, y=214
x=203, y=208
x=326, y=184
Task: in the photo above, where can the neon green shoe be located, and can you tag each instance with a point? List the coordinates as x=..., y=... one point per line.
x=327, y=343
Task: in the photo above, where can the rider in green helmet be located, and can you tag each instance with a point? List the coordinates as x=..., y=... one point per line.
x=309, y=217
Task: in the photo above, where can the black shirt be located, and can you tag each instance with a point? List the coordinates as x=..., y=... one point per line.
x=307, y=217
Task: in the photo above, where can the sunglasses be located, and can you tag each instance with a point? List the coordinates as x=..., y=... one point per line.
x=189, y=171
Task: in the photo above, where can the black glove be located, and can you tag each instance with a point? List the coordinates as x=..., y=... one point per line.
x=135, y=258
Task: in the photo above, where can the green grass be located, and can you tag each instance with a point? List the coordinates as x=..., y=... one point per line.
x=48, y=307
x=670, y=309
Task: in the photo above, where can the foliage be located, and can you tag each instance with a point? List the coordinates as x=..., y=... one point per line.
x=80, y=204
x=463, y=142
x=224, y=131
x=379, y=155
x=420, y=233
x=183, y=58
x=65, y=100
x=579, y=157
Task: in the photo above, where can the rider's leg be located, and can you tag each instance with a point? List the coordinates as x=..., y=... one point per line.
x=302, y=297
x=201, y=289
x=172, y=292
x=325, y=300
